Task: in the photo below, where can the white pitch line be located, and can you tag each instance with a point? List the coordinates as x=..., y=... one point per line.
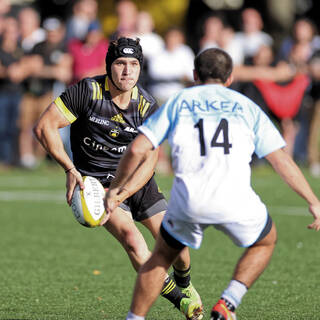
x=21, y=182
x=33, y=196
x=288, y=210
x=59, y=196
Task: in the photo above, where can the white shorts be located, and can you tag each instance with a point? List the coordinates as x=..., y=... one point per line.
x=191, y=234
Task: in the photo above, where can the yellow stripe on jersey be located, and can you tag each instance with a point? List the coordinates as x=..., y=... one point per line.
x=140, y=103
x=134, y=93
x=97, y=91
x=94, y=89
x=65, y=111
x=106, y=85
x=143, y=106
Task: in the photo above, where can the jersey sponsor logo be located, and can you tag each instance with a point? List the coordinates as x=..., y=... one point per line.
x=132, y=130
x=114, y=132
x=196, y=106
x=101, y=147
x=119, y=149
x=94, y=144
x=99, y=121
x=118, y=118
x=128, y=50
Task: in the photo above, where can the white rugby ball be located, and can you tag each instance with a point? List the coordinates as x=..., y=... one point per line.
x=88, y=204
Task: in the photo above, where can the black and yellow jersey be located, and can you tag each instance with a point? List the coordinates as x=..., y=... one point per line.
x=100, y=130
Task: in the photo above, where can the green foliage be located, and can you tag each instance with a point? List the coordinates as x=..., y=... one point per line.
x=53, y=268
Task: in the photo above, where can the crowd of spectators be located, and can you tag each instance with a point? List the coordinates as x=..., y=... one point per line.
x=40, y=57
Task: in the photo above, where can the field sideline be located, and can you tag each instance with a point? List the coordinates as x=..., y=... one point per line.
x=53, y=268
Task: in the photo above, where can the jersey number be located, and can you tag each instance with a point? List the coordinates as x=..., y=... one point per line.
x=222, y=127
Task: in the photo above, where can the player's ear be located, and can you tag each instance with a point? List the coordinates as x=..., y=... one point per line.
x=195, y=75
x=229, y=81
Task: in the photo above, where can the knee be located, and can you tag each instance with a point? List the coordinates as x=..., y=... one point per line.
x=270, y=240
x=134, y=244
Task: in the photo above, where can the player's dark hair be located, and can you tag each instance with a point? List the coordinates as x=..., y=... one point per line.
x=213, y=64
x=123, y=47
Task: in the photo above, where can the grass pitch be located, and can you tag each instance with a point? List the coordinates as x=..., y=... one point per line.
x=54, y=268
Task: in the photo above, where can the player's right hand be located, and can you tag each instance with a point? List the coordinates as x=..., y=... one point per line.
x=73, y=177
x=315, y=211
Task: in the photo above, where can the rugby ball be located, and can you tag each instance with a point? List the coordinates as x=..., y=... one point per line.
x=88, y=204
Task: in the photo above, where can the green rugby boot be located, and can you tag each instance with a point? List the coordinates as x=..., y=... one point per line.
x=191, y=293
x=191, y=309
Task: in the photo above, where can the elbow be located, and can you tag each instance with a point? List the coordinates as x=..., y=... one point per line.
x=37, y=130
x=136, y=152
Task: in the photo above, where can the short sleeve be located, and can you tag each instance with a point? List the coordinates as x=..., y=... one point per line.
x=157, y=127
x=267, y=136
x=74, y=100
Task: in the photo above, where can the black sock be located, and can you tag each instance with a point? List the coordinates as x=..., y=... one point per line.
x=182, y=277
x=171, y=292
x=229, y=305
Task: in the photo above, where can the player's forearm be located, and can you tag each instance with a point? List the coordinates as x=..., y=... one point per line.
x=292, y=175
x=52, y=143
x=142, y=174
x=136, y=166
x=126, y=170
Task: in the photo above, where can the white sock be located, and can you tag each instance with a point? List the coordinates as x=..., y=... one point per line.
x=132, y=316
x=235, y=292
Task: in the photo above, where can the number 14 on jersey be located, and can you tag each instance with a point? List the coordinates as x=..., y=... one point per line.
x=223, y=128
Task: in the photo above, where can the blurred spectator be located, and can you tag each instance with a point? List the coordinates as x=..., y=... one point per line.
x=314, y=135
x=172, y=68
x=304, y=32
x=151, y=42
x=89, y=54
x=10, y=91
x=217, y=34
x=281, y=100
x=231, y=44
x=127, y=13
x=83, y=13
x=212, y=29
x=5, y=7
x=252, y=36
x=31, y=33
x=47, y=63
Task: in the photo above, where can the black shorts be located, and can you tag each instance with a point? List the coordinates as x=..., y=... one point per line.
x=146, y=202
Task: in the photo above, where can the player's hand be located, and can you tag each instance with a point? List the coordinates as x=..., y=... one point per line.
x=73, y=178
x=111, y=200
x=315, y=211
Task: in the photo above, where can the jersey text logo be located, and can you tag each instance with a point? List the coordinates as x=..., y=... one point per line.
x=99, y=121
x=129, y=129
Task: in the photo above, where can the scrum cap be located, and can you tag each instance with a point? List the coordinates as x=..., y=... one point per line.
x=123, y=47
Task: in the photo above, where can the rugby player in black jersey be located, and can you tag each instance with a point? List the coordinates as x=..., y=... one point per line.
x=104, y=113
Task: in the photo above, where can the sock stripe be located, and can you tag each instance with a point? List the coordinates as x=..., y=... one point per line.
x=169, y=287
x=182, y=273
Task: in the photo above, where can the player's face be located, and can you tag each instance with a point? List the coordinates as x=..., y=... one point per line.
x=125, y=72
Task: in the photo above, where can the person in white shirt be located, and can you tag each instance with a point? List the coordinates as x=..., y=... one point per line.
x=213, y=132
x=252, y=36
x=170, y=70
